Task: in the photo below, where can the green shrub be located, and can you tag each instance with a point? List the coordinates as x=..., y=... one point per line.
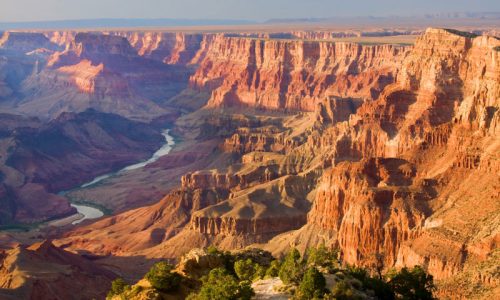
x=246, y=291
x=292, y=269
x=322, y=257
x=381, y=288
x=162, y=278
x=342, y=291
x=118, y=286
x=312, y=285
x=244, y=269
x=274, y=269
x=260, y=272
x=213, y=250
x=412, y=284
x=462, y=33
x=219, y=284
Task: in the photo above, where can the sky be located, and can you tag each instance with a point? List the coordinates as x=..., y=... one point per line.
x=259, y=10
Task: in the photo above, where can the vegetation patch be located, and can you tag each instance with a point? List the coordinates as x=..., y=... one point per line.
x=319, y=274
x=469, y=35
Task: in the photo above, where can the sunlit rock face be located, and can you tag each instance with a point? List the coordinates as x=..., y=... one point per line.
x=169, y=47
x=440, y=117
x=292, y=75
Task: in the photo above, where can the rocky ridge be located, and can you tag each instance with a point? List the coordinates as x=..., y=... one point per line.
x=45, y=271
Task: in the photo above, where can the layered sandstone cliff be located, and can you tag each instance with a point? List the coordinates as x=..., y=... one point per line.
x=169, y=47
x=293, y=75
x=373, y=206
x=104, y=72
x=437, y=116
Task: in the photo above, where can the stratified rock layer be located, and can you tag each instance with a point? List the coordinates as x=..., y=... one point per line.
x=292, y=75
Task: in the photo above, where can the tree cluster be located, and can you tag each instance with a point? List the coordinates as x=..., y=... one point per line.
x=304, y=277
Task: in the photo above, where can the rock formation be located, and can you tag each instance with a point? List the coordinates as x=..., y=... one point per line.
x=372, y=205
x=43, y=271
x=292, y=75
x=435, y=118
x=26, y=42
x=168, y=47
x=104, y=72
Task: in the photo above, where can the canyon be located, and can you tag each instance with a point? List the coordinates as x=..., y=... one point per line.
x=387, y=151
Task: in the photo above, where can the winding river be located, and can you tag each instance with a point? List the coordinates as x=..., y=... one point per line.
x=88, y=212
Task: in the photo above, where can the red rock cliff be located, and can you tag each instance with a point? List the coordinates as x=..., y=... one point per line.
x=292, y=75
x=441, y=116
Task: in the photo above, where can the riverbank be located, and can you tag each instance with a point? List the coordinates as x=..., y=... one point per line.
x=88, y=210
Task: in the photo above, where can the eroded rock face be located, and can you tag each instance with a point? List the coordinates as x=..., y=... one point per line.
x=371, y=206
x=100, y=71
x=292, y=75
x=169, y=47
x=25, y=41
x=437, y=118
x=263, y=209
x=229, y=226
x=334, y=110
x=247, y=140
x=207, y=180
x=61, y=38
x=43, y=271
x=198, y=262
x=94, y=45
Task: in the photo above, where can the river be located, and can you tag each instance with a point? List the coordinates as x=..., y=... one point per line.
x=89, y=212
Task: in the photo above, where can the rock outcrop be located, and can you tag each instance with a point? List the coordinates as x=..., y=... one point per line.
x=104, y=72
x=43, y=271
x=173, y=48
x=373, y=206
x=25, y=42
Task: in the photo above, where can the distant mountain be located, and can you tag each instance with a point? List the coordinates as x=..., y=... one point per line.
x=485, y=16
x=120, y=23
x=131, y=23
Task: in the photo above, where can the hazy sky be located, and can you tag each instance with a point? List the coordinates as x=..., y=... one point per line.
x=41, y=10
